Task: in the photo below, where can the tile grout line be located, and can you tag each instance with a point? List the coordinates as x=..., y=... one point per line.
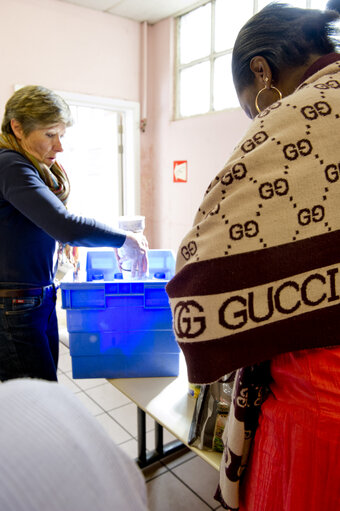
x=180, y=463
x=123, y=427
x=111, y=409
x=120, y=406
x=72, y=380
x=95, y=402
x=187, y=486
x=153, y=478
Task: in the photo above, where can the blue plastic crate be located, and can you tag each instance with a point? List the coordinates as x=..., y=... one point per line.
x=121, y=328
x=103, y=265
x=124, y=354
x=120, y=366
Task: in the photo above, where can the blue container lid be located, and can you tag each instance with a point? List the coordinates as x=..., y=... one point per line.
x=159, y=275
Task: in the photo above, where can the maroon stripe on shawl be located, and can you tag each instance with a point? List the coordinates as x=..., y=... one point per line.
x=241, y=271
x=319, y=64
x=207, y=361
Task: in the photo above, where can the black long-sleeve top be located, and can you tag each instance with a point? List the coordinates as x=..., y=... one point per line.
x=32, y=219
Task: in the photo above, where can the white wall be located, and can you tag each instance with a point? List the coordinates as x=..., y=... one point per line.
x=66, y=47
x=205, y=141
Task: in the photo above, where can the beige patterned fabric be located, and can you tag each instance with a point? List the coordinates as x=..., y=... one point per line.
x=249, y=391
x=258, y=273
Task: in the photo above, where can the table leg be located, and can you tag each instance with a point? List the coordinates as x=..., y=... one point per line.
x=161, y=451
x=159, y=439
x=141, y=423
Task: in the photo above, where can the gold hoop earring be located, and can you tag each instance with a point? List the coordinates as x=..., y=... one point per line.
x=260, y=91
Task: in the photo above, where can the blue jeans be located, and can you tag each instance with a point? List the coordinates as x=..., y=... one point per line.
x=29, y=340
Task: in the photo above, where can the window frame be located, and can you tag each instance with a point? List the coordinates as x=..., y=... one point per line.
x=129, y=137
x=210, y=58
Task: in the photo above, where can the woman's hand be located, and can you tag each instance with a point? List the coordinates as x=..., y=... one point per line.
x=135, y=250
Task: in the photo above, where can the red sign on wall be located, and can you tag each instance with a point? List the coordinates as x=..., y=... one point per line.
x=180, y=171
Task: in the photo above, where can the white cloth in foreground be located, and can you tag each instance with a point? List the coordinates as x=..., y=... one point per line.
x=56, y=457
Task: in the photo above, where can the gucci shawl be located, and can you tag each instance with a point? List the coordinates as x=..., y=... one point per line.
x=258, y=273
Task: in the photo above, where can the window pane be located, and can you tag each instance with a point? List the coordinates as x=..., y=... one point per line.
x=293, y=3
x=90, y=159
x=195, y=34
x=319, y=4
x=229, y=19
x=224, y=91
x=195, y=89
x=298, y=3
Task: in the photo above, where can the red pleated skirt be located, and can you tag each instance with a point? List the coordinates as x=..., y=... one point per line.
x=295, y=459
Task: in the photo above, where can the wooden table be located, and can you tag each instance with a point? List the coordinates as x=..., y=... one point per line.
x=167, y=401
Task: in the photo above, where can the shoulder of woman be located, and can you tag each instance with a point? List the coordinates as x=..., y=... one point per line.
x=10, y=159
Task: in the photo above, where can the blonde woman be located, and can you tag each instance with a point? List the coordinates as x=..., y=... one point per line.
x=33, y=217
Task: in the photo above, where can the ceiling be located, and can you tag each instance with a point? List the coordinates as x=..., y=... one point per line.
x=151, y=11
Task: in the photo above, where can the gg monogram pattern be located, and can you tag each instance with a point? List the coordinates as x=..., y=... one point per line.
x=261, y=186
x=249, y=391
x=259, y=272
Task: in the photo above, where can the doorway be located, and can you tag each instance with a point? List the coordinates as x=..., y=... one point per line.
x=101, y=157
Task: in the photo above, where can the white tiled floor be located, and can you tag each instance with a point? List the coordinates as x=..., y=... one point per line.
x=181, y=482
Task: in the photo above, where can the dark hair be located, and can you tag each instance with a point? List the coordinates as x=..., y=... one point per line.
x=286, y=36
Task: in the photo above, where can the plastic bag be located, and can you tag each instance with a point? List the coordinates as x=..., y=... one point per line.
x=210, y=414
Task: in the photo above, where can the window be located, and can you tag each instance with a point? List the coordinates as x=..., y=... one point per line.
x=101, y=157
x=91, y=160
x=205, y=38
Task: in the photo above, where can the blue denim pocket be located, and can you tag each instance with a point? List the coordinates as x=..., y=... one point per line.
x=25, y=312
x=25, y=304
x=28, y=337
